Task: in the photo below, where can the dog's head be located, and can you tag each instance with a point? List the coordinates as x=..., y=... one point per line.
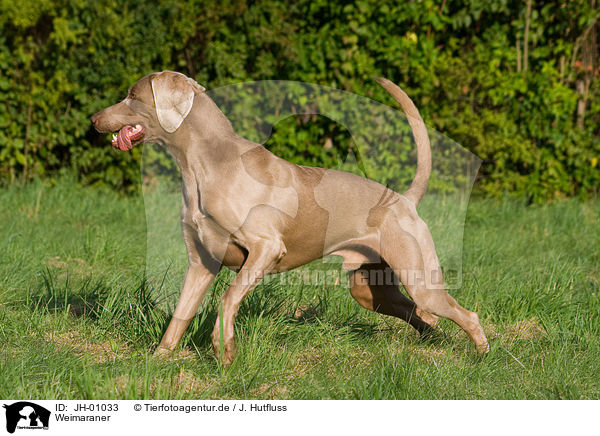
x=154, y=108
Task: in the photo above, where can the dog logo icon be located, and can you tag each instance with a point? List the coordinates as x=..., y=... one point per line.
x=26, y=415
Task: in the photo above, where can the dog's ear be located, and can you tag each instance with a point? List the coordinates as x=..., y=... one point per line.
x=173, y=97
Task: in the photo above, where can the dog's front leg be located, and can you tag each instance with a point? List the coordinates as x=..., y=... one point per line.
x=197, y=281
x=261, y=259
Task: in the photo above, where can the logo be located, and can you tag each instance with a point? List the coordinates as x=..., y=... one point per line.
x=26, y=415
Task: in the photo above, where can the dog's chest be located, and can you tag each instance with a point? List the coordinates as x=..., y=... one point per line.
x=209, y=232
x=214, y=239
x=194, y=215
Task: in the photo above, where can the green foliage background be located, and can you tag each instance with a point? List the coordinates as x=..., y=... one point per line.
x=462, y=62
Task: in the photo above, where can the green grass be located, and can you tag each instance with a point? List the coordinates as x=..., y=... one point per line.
x=80, y=317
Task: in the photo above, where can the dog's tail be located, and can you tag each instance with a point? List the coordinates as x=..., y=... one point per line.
x=419, y=184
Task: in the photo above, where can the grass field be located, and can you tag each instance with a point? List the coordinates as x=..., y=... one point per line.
x=79, y=319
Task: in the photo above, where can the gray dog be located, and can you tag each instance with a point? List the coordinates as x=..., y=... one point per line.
x=251, y=211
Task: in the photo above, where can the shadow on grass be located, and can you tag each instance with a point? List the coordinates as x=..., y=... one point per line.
x=53, y=297
x=132, y=312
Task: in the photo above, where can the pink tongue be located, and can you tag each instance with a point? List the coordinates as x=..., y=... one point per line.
x=123, y=140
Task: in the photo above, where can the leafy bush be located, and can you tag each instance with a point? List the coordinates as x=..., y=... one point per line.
x=514, y=82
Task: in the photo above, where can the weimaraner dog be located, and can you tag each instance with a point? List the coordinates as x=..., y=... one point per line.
x=251, y=211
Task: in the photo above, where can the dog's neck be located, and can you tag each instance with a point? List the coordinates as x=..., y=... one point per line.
x=206, y=117
x=204, y=136
x=203, y=144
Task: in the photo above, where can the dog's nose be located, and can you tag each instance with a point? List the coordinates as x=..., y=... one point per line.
x=94, y=118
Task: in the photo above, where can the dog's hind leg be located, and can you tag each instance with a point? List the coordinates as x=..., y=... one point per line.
x=412, y=257
x=375, y=287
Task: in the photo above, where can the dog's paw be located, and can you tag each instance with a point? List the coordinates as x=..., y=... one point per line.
x=226, y=353
x=161, y=352
x=483, y=348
